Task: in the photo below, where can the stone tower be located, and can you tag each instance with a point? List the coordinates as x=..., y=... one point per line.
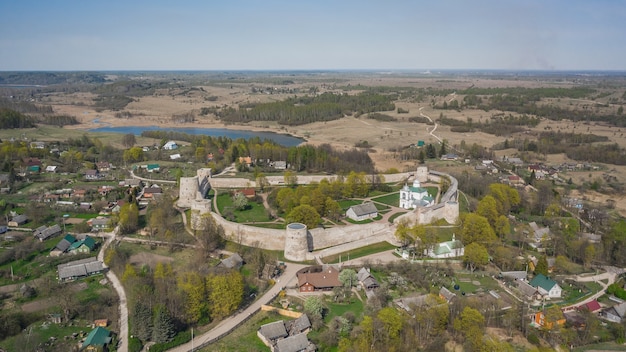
x=199, y=207
x=422, y=174
x=188, y=190
x=451, y=211
x=296, y=243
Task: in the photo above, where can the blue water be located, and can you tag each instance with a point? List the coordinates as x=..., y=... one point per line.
x=282, y=139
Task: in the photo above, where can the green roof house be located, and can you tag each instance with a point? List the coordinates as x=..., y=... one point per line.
x=153, y=168
x=97, y=340
x=449, y=249
x=83, y=246
x=546, y=286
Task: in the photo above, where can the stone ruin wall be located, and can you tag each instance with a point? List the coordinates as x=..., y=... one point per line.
x=319, y=238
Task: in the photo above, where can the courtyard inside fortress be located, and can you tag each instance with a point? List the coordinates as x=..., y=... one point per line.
x=302, y=244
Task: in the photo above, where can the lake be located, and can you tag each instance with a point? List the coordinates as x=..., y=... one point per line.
x=282, y=139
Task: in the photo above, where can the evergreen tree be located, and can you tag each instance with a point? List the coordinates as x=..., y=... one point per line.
x=142, y=322
x=542, y=266
x=163, y=326
x=421, y=157
x=443, y=150
x=431, y=152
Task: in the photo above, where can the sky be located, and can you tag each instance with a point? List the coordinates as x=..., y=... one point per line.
x=64, y=35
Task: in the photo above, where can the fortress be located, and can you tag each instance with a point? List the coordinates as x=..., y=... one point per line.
x=192, y=194
x=299, y=242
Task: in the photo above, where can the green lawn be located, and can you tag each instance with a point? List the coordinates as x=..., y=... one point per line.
x=392, y=199
x=345, y=204
x=41, y=332
x=254, y=213
x=336, y=309
x=394, y=216
x=244, y=338
x=359, y=252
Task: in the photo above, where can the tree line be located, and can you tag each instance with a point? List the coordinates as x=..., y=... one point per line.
x=308, y=109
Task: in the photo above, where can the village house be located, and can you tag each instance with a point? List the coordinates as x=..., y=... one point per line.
x=42, y=233
x=362, y=211
x=153, y=168
x=287, y=336
x=103, y=166
x=104, y=190
x=279, y=165
x=97, y=340
x=539, y=320
x=450, y=157
x=527, y=291
x=171, y=145
x=52, y=168
x=85, y=245
x=546, y=286
x=446, y=295
x=614, y=314
x=538, y=236
x=152, y=192
x=271, y=332
x=592, y=306
x=233, y=262
x=79, y=193
x=245, y=160
x=513, y=161
x=131, y=182
x=18, y=220
x=409, y=303
x=247, y=192
x=37, y=145
x=175, y=156
x=79, y=269
x=99, y=223
x=92, y=174
x=312, y=279
x=29, y=162
x=514, y=275
x=366, y=280
x=63, y=245
x=515, y=180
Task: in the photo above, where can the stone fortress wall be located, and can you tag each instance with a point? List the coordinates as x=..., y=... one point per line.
x=447, y=208
x=297, y=241
x=194, y=188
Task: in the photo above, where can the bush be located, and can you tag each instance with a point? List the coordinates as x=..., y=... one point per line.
x=181, y=338
x=534, y=339
x=134, y=344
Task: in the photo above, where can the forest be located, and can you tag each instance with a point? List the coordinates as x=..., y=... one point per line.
x=302, y=110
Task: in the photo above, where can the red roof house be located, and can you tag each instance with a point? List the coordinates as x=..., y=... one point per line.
x=313, y=279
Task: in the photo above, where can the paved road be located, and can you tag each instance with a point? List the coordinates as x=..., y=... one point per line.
x=123, y=334
x=611, y=275
x=230, y=323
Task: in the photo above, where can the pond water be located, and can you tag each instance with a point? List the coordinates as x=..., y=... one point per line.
x=282, y=139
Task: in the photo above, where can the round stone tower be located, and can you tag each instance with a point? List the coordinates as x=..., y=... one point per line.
x=422, y=174
x=451, y=212
x=199, y=207
x=188, y=190
x=296, y=244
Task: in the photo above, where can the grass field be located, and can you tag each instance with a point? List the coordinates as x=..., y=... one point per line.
x=254, y=213
x=392, y=199
x=345, y=204
x=244, y=338
x=359, y=252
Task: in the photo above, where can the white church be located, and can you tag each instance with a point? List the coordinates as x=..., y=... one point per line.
x=415, y=196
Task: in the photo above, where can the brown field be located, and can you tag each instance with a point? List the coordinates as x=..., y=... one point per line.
x=149, y=259
x=157, y=110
